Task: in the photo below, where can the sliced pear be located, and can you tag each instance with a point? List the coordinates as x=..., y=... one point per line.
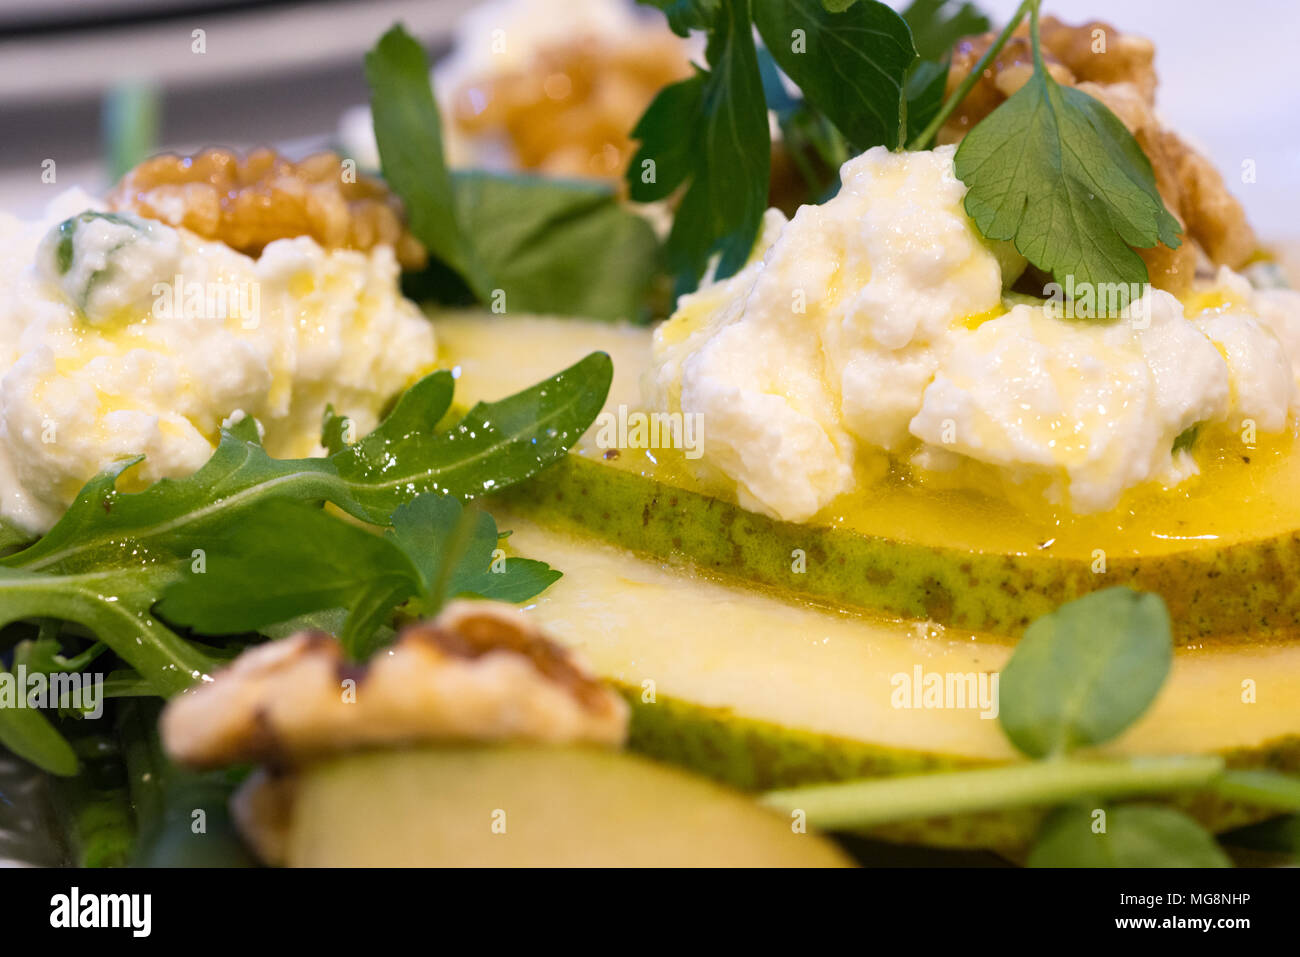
x=762, y=693
x=532, y=807
x=1222, y=549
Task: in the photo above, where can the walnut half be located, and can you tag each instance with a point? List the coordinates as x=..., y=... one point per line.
x=247, y=203
x=479, y=672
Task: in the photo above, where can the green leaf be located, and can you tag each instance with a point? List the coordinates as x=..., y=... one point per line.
x=113, y=554
x=1056, y=172
x=687, y=15
x=1134, y=836
x=564, y=248
x=557, y=248
x=333, y=430
x=1260, y=788
x=408, y=132
x=453, y=564
x=726, y=135
x=937, y=25
x=495, y=445
x=286, y=558
x=665, y=131
x=1082, y=674
x=926, y=84
x=28, y=733
x=852, y=68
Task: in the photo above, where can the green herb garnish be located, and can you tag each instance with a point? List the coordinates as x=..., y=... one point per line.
x=1079, y=677
x=1083, y=674
x=289, y=558
x=937, y=25
x=1055, y=171
x=518, y=244
x=114, y=554
x=851, y=64
x=710, y=132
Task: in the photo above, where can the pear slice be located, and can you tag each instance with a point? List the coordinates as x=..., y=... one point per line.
x=1222, y=549
x=762, y=693
x=532, y=807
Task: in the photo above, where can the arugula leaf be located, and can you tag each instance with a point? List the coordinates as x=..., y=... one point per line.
x=712, y=130
x=495, y=445
x=113, y=554
x=547, y=246
x=1085, y=672
x=408, y=131
x=937, y=25
x=850, y=65
x=425, y=530
x=1135, y=836
x=288, y=559
x=28, y=733
x=1057, y=172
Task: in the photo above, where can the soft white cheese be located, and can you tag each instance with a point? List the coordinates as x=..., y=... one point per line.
x=873, y=324
x=140, y=338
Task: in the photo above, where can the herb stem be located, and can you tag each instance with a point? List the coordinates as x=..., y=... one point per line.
x=1262, y=788
x=863, y=804
x=923, y=139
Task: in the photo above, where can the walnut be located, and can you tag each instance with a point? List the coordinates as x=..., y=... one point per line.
x=479, y=672
x=251, y=202
x=571, y=110
x=1122, y=76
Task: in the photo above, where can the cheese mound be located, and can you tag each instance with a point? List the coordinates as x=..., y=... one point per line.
x=871, y=330
x=122, y=336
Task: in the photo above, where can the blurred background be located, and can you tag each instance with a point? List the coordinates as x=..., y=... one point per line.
x=283, y=72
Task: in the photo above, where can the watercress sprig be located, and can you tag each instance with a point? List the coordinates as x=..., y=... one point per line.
x=1079, y=677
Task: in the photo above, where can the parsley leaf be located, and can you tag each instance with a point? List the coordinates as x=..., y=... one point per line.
x=1057, y=172
x=712, y=130
x=850, y=65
